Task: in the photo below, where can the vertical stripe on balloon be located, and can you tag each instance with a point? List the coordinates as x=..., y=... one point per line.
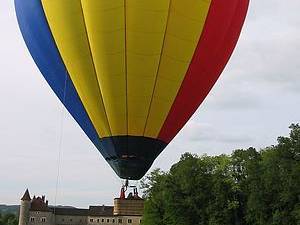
x=215, y=47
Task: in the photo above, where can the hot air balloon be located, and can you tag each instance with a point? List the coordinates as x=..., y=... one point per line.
x=131, y=72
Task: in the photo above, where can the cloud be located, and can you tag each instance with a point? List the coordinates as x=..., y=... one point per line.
x=270, y=48
x=197, y=132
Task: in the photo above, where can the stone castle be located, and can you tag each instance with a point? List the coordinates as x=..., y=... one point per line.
x=36, y=211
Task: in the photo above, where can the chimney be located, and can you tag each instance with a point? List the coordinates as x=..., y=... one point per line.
x=43, y=198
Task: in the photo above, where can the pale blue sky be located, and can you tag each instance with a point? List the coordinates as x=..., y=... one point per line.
x=254, y=101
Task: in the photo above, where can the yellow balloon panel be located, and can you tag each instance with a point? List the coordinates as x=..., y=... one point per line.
x=105, y=23
x=145, y=31
x=65, y=18
x=185, y=25
x=127, y=59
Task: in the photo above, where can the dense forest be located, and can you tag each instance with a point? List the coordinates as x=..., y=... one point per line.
x=249, y=187
x=8, y=219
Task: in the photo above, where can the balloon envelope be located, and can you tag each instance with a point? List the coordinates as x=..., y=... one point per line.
x=131, y=72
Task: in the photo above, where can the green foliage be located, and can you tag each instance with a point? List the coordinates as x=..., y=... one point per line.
x=247, y=188
x=8, y=219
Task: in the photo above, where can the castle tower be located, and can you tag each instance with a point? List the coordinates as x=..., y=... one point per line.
x=24, y=208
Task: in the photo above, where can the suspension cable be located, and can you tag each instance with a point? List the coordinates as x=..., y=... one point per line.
x=60, y=143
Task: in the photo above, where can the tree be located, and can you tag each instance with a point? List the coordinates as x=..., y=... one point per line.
x=8, y=219
x=249, y=187
x=197, y=190
x=154, y=186
x=277, y=200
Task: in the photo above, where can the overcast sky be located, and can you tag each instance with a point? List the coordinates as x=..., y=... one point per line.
x=254, y=101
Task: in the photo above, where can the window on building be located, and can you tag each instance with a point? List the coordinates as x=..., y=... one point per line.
x=113, y=220
x=107, y=220
x=98, y=220
x=102, y=221
x=120, y=221
x=31, y=219
x=71, y=220
x=91, y=220
x=63, y=220
x=43, y=219
x=129, y=221
x=140, y=221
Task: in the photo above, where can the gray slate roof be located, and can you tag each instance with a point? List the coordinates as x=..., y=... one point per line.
x=92, y=211
x=101, y=211
x=70, y=211
x=26, y=196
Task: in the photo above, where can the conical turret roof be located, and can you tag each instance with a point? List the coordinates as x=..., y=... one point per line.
x=26, y=196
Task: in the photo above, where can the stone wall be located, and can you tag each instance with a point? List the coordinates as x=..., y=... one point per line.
x=40, y=218
x=24, y=213
x=124, y=220
x=70, y=220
